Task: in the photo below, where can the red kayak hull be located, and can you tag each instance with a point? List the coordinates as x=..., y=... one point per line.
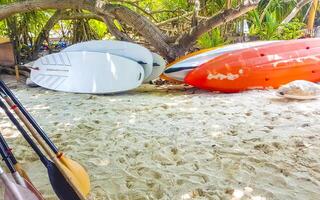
x=267, y=66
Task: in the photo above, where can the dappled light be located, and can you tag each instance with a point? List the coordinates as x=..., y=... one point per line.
x=8, y=130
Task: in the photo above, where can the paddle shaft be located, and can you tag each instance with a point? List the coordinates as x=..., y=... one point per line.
x=22, y=131
x=14, y=161
x=44, y=146
x=7, y=149
x=42, y=157
x=64, y=164
x=21, y=173
x=29, y=117
x=6, y=159
x=5, y=154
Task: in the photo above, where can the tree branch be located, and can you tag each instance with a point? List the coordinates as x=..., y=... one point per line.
x=44, y=33
x=174, y=19
x=140, y=23
x=73, y=16
x=143, y=26
x=115, y=31
x=194, y=21
x=7, y=10
x=135, y=4
x=106, y=19
x=57, y=16
x=187, y=40
x=295, y=11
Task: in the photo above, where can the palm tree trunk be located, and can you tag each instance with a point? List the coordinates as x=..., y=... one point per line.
x=229, y=4
x=312, y=15
x=295, y=11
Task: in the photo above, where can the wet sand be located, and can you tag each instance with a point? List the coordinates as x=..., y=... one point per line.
x=173, y=142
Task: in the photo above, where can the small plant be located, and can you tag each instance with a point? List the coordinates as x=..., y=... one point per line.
x=211, y=39
x=272, y=29
x=266, y=30
x=291, y=30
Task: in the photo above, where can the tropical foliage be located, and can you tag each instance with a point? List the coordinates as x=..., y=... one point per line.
x=172, y=16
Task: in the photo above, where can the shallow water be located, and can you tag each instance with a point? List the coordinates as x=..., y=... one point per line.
x=179, y=143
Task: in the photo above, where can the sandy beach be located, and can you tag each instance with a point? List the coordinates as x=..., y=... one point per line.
x=174, y=142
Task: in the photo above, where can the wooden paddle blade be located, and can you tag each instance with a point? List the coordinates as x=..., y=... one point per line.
x=80, y=174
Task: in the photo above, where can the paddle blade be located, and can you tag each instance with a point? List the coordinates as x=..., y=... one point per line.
x=59, y=184
x=80, y=175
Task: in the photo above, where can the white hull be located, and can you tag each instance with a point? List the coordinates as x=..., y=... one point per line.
x=128, y=50
x=87, y=72
x=159, y=64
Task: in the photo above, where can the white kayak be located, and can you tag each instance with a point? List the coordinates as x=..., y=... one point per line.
x=179, y=70
x=159, y=64
x=87, y=72
x=128, y=50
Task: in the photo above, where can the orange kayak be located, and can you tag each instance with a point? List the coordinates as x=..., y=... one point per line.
x=268, y=66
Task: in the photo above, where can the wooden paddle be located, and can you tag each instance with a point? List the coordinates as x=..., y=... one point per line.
x=59, y=178
x=73, y=172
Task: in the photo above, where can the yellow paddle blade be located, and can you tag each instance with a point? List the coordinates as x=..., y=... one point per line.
x=77, y=173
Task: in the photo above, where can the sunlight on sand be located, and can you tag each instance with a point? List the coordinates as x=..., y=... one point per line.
x=178, y=143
